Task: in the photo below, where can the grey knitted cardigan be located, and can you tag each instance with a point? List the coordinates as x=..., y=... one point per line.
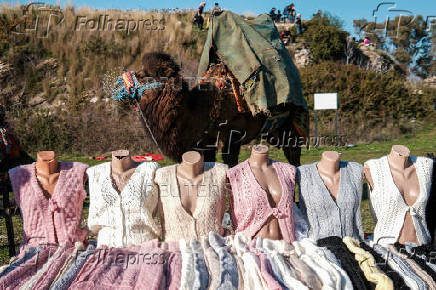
x=328, y=217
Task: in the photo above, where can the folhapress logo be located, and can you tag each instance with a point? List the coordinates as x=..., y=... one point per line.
x=106, y=23
x=38, y=19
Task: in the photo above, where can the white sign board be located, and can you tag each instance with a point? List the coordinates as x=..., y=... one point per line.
x=326, y=101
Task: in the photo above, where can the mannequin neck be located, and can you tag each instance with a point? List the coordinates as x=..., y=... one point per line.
x=46, y=162
x=399, y=158
x=192, y=165
x=121, y=161
x=330, y=162
x=259, y=156
x=191, y=170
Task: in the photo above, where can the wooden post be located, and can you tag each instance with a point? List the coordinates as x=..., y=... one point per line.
x=316, y=129
x=336, y=128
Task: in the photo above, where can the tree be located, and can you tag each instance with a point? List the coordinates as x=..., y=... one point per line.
x=325, y=38
x=406, y=38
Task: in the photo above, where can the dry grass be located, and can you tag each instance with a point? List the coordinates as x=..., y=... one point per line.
x=84, y=54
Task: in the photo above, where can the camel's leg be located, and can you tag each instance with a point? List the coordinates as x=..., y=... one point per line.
x=209, y=154
x=232, y=147
x=293, y=154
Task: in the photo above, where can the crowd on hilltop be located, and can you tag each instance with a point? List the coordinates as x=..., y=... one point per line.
x=289, y=16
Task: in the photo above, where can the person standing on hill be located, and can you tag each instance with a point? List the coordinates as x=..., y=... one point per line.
x=198, y=18
x=273, y=14
x=299, y=24
x=367, y=41
x=279, y=16
x=286, y=36
x=289, y=12
x=216, y=9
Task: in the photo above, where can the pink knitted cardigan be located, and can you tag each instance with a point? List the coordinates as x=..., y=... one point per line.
x=135, y=267
x=55, y=219
x=49, y=276
x=249, y=201
x=21, y=274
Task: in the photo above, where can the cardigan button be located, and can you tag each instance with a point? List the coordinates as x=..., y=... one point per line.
x=52, y=206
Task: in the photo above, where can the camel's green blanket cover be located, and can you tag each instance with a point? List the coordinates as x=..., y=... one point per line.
x=256, y=56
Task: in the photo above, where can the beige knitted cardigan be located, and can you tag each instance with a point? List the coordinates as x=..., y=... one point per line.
x=176, y=222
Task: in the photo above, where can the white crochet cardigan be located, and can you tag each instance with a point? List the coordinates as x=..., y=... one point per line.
x=208, y=215
x=125, y=218
x=388, y=206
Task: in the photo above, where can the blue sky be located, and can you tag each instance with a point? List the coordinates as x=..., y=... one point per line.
x=346, y=10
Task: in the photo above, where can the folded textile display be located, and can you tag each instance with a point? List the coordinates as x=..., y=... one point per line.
x=217, y=262
x=385, y=268
x=349, y=264
x=368, y=265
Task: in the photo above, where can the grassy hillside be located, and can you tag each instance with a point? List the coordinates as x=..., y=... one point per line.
x=56, y=87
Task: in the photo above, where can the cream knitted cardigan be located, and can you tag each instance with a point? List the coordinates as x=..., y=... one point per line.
x=388, y=206
x=125, y=218
x=208, y=214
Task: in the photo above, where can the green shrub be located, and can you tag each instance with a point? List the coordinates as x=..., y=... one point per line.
x=325, y=39
x=372, y=106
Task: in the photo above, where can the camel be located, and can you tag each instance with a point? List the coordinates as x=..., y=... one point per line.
x=11, y=155
x=181, y=119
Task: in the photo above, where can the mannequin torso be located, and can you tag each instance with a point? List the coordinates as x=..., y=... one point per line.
x=406, y=180
x=329, y=171
x=189, y=177
x=47, y=171
x=122, y=168
x=267, y=178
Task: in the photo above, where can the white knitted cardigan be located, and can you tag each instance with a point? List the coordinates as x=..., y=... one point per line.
x=188, y=272
x=253, y=278
x=273, y=249
x=125, y=218
x=388, y=206
x=208, y=215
